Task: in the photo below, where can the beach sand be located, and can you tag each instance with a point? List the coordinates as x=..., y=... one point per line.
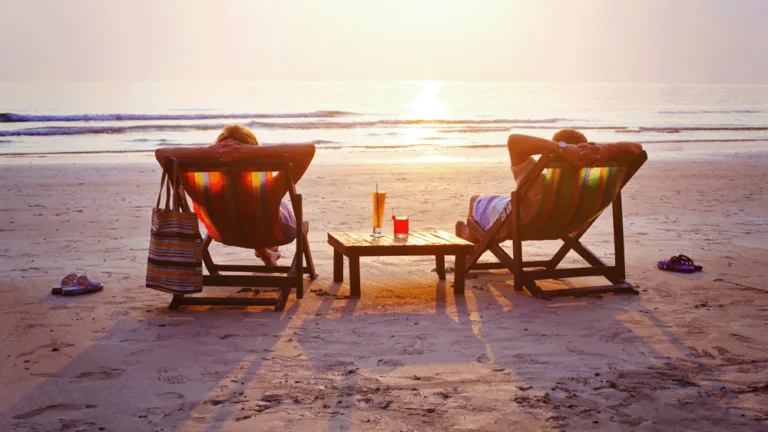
x=688, y=353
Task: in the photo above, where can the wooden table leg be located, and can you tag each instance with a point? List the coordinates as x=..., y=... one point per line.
x=458, y=274
x=440, y=264
x=338, y=266
x=354, y=275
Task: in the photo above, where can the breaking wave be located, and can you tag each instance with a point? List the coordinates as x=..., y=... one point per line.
x=255, y=124
x=24, y=118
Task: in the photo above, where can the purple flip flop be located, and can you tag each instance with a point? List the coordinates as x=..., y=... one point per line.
x=83, y=285
x=685, y=260
x=67, y=282
x=679, y=264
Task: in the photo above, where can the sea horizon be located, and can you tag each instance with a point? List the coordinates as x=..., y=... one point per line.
x=46, y=118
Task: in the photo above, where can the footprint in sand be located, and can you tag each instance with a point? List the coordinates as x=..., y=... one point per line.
x=170, y=396
x=57, y=407
x=170, y=376
x=721, y=350
x=389, y=362
x=701, y=354
x=740, y=338
x=76, y=425
x=53, y=347
x=103, y=375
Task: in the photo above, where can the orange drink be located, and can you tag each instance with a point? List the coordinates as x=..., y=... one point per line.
x=379, y=199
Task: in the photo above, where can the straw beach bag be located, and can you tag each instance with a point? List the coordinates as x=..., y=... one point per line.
x=175, y=246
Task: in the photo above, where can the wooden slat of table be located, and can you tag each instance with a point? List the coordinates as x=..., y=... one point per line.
x=449, y=237
x=433, y=239
x=383, y=241
x=343, y=238
x=357, y=240
x=414, y=239
x=419, y=238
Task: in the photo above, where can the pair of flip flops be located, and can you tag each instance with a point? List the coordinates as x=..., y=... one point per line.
x=73, y=284
x=679, y=264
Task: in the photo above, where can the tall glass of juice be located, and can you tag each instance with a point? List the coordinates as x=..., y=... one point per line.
x=379, y=199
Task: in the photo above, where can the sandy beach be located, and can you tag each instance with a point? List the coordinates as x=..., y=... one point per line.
x=689, y=353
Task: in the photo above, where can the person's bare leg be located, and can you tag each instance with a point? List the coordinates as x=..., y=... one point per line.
x=268, y=255
x=462, y=230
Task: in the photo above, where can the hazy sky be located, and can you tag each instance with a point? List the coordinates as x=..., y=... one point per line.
x=721, y=41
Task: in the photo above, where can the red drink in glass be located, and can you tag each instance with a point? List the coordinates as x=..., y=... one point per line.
x=401, y=226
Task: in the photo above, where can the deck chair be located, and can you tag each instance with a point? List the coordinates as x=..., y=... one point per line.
x=230, y=199
x=572, y=200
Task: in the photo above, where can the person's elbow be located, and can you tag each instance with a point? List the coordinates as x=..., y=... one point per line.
x=160, y=155
x=308, y=152
x=513, y=140
x=309, y=148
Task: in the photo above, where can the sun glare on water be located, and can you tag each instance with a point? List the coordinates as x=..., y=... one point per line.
x=427, y=105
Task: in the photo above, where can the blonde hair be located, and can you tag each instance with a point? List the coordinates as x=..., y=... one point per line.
x=569, y=136
x=238, y=133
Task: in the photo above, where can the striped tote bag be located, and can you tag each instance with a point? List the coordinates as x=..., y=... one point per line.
x=175, y=246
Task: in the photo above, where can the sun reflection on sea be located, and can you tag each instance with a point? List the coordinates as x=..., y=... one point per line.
x=426, y=105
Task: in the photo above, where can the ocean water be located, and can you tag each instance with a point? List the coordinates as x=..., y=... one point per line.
x=116, y=117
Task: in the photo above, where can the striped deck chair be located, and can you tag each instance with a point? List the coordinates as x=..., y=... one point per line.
x=232, y=200
x=572, y=200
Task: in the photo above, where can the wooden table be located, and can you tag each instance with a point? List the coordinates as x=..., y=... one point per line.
x=437, y=243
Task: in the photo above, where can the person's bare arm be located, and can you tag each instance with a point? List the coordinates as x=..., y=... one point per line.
x=624, y=150
x=207, y=152
x=300, y=155
x=521, y=147
x=618, y=151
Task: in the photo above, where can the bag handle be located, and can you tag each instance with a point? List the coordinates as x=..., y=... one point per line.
x=171, y=166
x=164, y=181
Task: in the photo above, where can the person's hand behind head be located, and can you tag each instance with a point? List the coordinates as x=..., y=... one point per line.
x=594, y=154
x=581, y=155
x=229, y=150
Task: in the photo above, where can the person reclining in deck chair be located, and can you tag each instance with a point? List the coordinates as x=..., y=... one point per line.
x=569, y=143
x=235, y=142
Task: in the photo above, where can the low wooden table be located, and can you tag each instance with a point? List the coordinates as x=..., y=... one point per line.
x=437, y=243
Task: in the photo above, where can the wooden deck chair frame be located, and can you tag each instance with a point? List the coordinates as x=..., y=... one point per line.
x=547, y=269
x=292, y=276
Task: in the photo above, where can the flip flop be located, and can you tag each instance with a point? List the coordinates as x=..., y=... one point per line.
x=83, y=285
x=67, y=282
x=685, y=260
x=674, y=264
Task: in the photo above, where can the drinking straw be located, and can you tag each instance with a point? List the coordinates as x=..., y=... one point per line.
x=376, y=203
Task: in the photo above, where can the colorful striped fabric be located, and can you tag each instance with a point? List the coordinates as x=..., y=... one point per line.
x=237, y=207
x=175, y=253
x=571, y=198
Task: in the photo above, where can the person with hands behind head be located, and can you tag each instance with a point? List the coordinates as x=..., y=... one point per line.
x=601, y=153
x=571, y=144
x=238, y=142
